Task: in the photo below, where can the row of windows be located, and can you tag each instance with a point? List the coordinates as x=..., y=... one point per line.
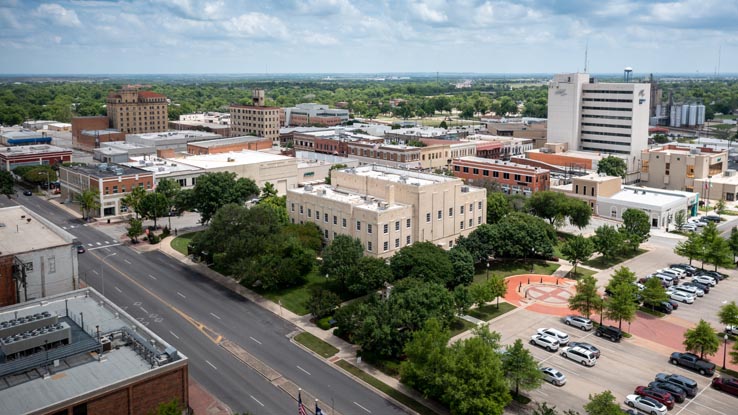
x=451, y=211
x=594, y=91
x=385, y=244
x=123, y=188
x=589, y=124
x=605, y=100
x=616, y=143
x=602, y=133
x=608, y=150
x=370, y=229
x=605, y=108
x=606, y=117
x=496, y=174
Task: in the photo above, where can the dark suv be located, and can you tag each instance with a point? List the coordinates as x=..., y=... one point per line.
x=611, y=332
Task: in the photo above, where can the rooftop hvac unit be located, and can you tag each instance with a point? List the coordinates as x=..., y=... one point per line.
x=308, y=188
x=464, y=189
x=694, y=151
x=729, y=173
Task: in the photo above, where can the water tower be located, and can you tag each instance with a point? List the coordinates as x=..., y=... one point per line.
x=628, y=74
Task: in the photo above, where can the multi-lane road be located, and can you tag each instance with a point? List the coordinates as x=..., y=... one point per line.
x=196, y=315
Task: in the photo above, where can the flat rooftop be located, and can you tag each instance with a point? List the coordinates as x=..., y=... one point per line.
x=649, y=196
x=106, y=131
x=592, y=155
x=104, y=170
x=32, y=149
x=85, y=371
x=228, y=141
x=18, y=234
x=496, y=162
x=686, y=150
x=400, y=176
x=358, y=200
x=160, y=166
x=724, y=179
x=233, y=158
x=173, y=135
x=595, y=177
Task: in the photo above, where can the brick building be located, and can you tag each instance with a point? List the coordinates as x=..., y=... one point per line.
x=94, y=359
x=226, y=145
x=256, y=119
x=79, y=124
x=91, y=139
x=133, y=111
x=37, y=155
x=514, y=178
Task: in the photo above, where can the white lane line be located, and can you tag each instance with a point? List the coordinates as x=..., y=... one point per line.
x=357, y=404
x=180, y=294
x=298, y=366
x=172, y=333
x=95, y=272
x=152, y=277
x=106, y=242
x=85, y=224
x=215, y=316
x=254, y=340
x=257, y=401
x=144, y=310
x=211, y=365
x=89, y=244
x=64, y=227
x=114, y=241
x=72, y=227
x=692, y=400
x=127, y=261
x=104, y=247
x=98, y=243
x=118, y=289
x=707, y=407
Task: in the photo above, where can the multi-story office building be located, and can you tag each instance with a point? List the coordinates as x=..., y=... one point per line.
x=514, y=178
x=388, y=208
x=314, y=114
x=133, y=111
x=256, y=119
x=679, y=168
x=609, y=118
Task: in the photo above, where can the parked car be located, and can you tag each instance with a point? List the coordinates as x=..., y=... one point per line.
x=711, y=218
x=732, y=330
x=586, y=346
x=728, y=385
x=646, y=404
x=611, y=332
x=718, y=276
x=80, y=249
x=579, y=355
x=674, y=304
x=692, y=361
x=688, y=385
x=547, y=342
x=705, y=279
x=690, y=289
x=662, y=307
x=579, y=322
x=704, y=287
x=697, y=221
x=658, y=395
x=676, y=392
x=559, y=335
x=681, y=296
x=688, y=227
x=690, y=270
x=675, y=272
x=553, y=376
x=27, y=193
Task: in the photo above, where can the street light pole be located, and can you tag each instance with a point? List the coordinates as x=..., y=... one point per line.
x=487, y=270
x=725, y=349
x=102, y=271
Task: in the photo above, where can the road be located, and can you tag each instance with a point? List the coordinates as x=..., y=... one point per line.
x=194, y=314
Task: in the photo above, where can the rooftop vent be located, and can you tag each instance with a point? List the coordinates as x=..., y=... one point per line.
x=464, y=189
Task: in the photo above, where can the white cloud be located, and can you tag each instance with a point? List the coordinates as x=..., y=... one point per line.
x=428, y=14
x=58, y=14
x=8, y=20
x=257, y=26
x=326, y=7
x=319, y=39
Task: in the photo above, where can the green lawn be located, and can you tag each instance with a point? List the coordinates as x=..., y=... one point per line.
x=508, y=268
x=562, y=237
x=490, y=311
x=295, y=298
x=581, y=272
x=394, y=393
x=602, y=263
x=459, y=326
x=315, y=344
x=180, y=243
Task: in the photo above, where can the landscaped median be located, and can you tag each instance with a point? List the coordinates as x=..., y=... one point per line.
x=315, y=344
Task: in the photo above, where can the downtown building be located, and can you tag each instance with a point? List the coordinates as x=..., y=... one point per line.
x=132, y=111
x=256, y=119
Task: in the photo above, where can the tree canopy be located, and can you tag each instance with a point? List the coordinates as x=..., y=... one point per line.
x=214, y=190
x=612, y=166
x=701, y=339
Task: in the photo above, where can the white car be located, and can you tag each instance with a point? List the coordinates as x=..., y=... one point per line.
x=682, y=296
x=547, y=342
x=690, y=289
x=688, y=227
x=553, y=376
x=696, y=220
x=705, y=279
x=676, y=273
x=645, y=404
x=579, y=355
x=732, y=330
x=580, y=322
x=562, y=337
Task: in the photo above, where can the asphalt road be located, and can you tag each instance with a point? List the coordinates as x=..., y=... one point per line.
x=191, y=313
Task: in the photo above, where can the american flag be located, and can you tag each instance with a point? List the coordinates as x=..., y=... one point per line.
x=318, y=411
x=300, y=407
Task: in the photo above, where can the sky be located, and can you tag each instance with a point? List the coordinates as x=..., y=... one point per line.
x=372, y=36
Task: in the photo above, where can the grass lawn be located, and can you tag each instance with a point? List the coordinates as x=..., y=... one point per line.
x=315, y=344
x=394, y=393
x=508, y=268
x=581, y=272
x=180, y=243
x=490, y=311
x=602, y=263
x=295, y=298
x=460, y=325
x=562, y=237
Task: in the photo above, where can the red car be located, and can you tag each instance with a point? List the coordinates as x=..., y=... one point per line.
x=656, y=394
x=727, y=385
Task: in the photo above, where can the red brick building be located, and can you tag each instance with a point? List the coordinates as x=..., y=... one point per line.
x=512, y=177
x=92, y=139
x=79, y=124
x=226, y=145
x=35, y=155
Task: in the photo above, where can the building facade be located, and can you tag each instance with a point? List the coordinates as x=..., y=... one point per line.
x=256, y=119
x=91, y=123
x=314, y=114
x=388, y=208
x=91, y=139
x=679, y=168
x=513, y=178
x=133, y=111
x=38, y=155
x=225, y=145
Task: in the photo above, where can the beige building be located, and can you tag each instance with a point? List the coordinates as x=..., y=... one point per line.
x=592, y=186
x=132, y=111
x=256, y=119
x=388, y=208
x=679, y=168
x=721, y=186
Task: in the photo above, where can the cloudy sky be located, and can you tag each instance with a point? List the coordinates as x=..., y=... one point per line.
x=366, y=36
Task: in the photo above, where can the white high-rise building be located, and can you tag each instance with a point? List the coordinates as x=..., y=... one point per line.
x=610, y=118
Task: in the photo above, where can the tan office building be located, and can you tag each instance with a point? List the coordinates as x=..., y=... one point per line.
x=388, y=208
x=256, y=119
x=679, y=168
x=132, y=111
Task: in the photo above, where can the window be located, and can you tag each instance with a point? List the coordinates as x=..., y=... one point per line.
x=517, y=177
x=358, y=225
x=52, y=265
x=485, y=172
x=505, y=175
x=461, y=209
x=386, y=246
x=325, y=217
x=440, y=214
x=369, y=246
x=397, y=243
x=292, y=207
x=397, y=225
x=479, y=220
x=495, y=174
x=427, y=217
x=310, y=213
x=528, y=179
x=407, y=240
x=471, y=222
x=576, y=189
x=107, y=190
x=479, y=205
x=335, y=220
x=450, y=212
x=471, y=207
x=386, y=228
x=461, y=224
x=317, y=214
x=123, y=189
x=343, y=222
x=325, y=232
x=408, y=223
x=466, y=170
x=475, y=171
x=369, y=228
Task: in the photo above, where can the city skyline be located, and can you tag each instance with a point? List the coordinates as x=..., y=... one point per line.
x=342, y=36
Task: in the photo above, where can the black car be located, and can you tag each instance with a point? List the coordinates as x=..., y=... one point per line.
x=662, y=307
x=688, y=269
x=81, y=249
x=697, y=284
x=719, y=276
x=595, y=351
x=674, y=304
x=675, y=391
x=27, y=193
x=710, y=218
x=611, y=332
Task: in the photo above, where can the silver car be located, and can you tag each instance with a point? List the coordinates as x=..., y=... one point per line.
x=547, y=342
x=690, y=289
x=559, y=335
x=579, y=322
x=553, y=376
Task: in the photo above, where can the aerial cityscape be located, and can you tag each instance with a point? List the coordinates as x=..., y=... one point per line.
x=346, y=207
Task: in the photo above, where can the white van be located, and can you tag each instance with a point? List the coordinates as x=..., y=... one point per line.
x=668, y=280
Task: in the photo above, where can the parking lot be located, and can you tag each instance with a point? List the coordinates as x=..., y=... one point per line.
x=621, y=368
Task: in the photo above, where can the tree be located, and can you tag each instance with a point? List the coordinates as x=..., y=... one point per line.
x=89, y=201
x=636, y=227
x=701, y=339
x=680, y=218
x=462, y=299
x=135, y=228
x=653, y=292
x=519, y=235
x=607, y=241
x=717, y=253
x=462, y=263
x=720, y=206
x=6, y=183
x=577, y=249
x=497, y=207
x=612, y=166
x=214, y=190
x=371, y=273
x=133, y=199
x=603, y=403
x=341, y=258
x=690, y=248
x=586, y=298
x=547, y=204
x=322, y=302
x=427, y=359
x=279, y=205
x=268, y=191
x=153, y=206
x=173, y=407
x=621, y=305
x=579, y=212
x=728, y=314
x=520, y=368
x=733, y=241
x=498, y=288
x=423, y=260
x=169, y=188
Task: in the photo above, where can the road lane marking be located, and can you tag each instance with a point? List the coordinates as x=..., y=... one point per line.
x=298, y=366
x=114, y=241
x=106, y=242
x=172, y=333
x=357, y=404
x=254, y=340
x=212, y=365
x=215, y=316
x=98, y=243
x=692, y=400
x=144, y=310
x=180, y=294
x=127, y=261
x=89, y=244
x=102, y=247
x=707, y=407
x=118, y=289
x=152, y=277
x=257, y=401
x=95, y=272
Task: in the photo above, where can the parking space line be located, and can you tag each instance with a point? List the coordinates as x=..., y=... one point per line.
x=693, y=401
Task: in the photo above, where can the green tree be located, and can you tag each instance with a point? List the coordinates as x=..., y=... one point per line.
x=89, y=201
x=720, y=206
x=497, y=207
x=462, y=299
x=579, y=212
x=279, y=205
x=214, y=190
x=621, y=305
x=6, y=183
x=135, y=228
x=371, y=273
x=547, y=204
x=427, y=359
x=520, y=235
x=701, y=339
x=169, y=188
x=133, y=199
x=153, y=206
x=586, y=298
x=577, y=249
x=173, y=407
x=680, y=218
x=691, y=248
x=612, y=166
x=341, y=258
x=322, y=302
x=463, y=266
x=636, y=228
x=718, y=253
x=733, y=242
x=653, y=293
x=520, y=368
x=607, y=241
x=728, y=314
x=603, y=403
x=268, y=191
x=498, y=288
x=423, y=260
